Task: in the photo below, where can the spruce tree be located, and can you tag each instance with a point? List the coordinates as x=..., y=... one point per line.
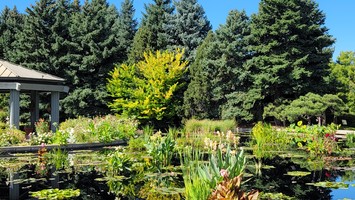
x=152, y=33
x=198, y=98
x=188, y=27
x=10, y=23
x=218, y=70
x=33, y=45
x=126, y=28
x=232, y=42
x=291, y=51
x=93, y=50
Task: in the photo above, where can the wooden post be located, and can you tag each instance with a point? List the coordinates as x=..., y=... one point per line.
x=14, y=108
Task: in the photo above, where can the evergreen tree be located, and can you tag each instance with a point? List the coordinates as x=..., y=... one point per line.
x=93, y=50
x=60, y=34
x=152, y=34
x=33, y=45
x=291, y=52
x=343, y=71
x=217, y=71
x=198, y=98
x=231, y=80
x=188, y=27
x=10, y=23
x=126, y=29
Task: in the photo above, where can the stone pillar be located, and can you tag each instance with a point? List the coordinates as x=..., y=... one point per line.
x=54, y=110
x=14, y=108
x=34, y=107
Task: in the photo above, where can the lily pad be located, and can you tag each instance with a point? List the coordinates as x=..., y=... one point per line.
x=298, y=173
x=334, y=185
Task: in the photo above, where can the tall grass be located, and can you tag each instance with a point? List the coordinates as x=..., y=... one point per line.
x=209, y=126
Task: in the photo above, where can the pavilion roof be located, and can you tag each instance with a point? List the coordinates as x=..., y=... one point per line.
x=12, y=72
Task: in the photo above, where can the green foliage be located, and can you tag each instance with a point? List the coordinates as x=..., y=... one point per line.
x=57, y=158
x=267, y=196
x=344, y=72
x=233, y=163
x=9, y=136
x=54, y=194
x=151, y=35
x=126, y=29
x=11, y=21
x=188, y=27
x=198, y=97
x=209, y=126
x=317, y=140
x=291, y=49
x=93, y=51
x=161, y=149
x=307, y=107
x=42, y=135
x=146, y=90
x=350, y=140
x=195, y=186
x=265, y=140
x=99, y=129
x=214, y=73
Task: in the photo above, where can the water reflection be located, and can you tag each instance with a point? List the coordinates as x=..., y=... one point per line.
x=89, y=172
x=24, y=173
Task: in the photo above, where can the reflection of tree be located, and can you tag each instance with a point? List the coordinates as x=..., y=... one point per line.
x=276, y=181
x=347, y=175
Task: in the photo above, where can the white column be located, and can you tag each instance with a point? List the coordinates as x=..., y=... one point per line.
x=34, y=107
x=14, y=108
x=54, y=110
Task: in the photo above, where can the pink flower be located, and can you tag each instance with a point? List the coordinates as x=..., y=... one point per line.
x=224, y=173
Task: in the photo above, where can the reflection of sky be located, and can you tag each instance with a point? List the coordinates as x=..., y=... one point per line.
x=344, y=193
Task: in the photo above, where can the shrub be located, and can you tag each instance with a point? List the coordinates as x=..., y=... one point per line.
x=11, y=136
x=103, y=129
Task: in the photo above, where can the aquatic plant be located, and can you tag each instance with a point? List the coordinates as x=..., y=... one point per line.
x=232, y=162
x=162, y=149
x=54, y=194
x=230, y=189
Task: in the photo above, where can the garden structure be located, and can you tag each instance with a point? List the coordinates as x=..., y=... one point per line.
x=15, y=79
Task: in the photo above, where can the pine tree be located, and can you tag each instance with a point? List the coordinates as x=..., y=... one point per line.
x=126, y=29
x=10, y=23
x=188, y=27
x=232, y=42
x=33, y=45
x=93, y=50
x=60, y=34
x=218, y=70
x=291, y=52
x=198, y=98
x=152, y=33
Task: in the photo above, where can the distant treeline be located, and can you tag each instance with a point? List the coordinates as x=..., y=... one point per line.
x=267, y=60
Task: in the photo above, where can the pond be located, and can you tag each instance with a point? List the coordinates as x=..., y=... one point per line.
x=298, y=162
x=293, y=174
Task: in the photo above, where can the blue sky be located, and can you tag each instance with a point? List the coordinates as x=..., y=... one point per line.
x=339, y=15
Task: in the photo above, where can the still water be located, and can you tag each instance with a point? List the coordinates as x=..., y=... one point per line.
x=21, y=174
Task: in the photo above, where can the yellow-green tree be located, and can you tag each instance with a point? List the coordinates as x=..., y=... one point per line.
x=146, y=90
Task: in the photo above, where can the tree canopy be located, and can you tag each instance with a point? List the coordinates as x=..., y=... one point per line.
x=146, y=90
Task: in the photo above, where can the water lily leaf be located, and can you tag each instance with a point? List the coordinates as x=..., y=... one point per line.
x=298, y=173
x=334, y=185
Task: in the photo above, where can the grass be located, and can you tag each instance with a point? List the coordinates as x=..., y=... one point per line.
x=209, y=126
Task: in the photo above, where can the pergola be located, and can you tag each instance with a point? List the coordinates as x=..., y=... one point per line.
x=15, y=79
